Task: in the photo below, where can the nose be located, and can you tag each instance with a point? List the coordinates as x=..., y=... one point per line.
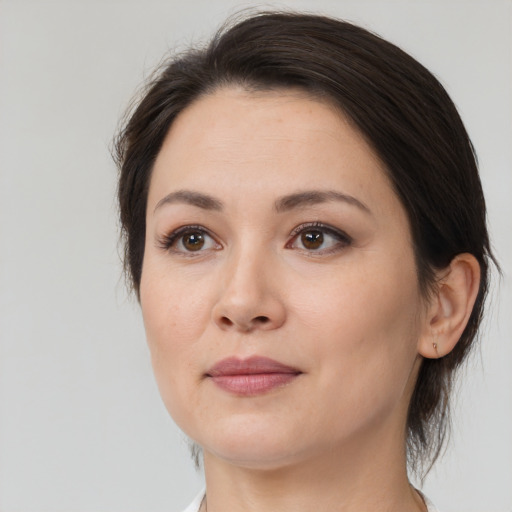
x=249, y=298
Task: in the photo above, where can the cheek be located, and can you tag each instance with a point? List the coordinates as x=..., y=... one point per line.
x=174, y=319
x=359, y=298
x=365, y=328
x=174, y=311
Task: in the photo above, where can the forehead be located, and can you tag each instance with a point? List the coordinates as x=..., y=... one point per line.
x=236, y=140
x=265, y=119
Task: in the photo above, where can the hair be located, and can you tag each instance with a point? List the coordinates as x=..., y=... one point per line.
x=400, y=108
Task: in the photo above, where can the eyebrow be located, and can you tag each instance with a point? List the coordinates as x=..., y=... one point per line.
x=198, y=199
x=312, y=197
x=283, y=204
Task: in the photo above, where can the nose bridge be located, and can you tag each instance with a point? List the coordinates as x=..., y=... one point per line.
x=246, y=273
x=247, y=297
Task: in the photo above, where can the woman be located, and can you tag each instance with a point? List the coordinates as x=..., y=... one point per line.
x=305, y=230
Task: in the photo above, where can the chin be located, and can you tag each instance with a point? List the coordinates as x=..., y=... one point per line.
x=255, y=456
x=247, y=444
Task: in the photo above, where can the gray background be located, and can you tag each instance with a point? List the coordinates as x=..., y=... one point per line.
x=81, y=423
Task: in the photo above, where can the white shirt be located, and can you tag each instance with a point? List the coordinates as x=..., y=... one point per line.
x=194, y=506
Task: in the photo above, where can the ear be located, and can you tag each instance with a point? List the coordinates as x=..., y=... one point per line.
x=450, y=307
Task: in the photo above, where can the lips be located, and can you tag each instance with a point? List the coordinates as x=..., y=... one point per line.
x=253, y=376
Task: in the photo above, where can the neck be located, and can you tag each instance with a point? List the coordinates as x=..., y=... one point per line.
x=371, y=477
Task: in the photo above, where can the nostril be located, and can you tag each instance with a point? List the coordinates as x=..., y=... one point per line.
x=244, y=324
x=226, y=322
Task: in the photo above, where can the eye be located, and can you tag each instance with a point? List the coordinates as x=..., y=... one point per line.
x=319, y=238
x=188, y=239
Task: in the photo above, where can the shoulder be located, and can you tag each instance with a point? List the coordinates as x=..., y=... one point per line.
x=194, y=506
x=428, y=503
x=196, y=503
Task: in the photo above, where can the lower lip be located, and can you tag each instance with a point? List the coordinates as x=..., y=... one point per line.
x=253, y=384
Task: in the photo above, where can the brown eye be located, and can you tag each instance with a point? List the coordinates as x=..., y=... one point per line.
x=193, y=241
x=319, y=239
x=312, y=239
x=188, y=240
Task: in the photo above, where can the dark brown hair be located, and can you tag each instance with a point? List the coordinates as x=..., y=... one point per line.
x=399, y=107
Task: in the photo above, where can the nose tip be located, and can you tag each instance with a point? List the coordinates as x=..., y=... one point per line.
x=258, y=322
x=247, y=299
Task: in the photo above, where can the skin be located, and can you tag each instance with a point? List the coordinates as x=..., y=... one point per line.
x=348, y=315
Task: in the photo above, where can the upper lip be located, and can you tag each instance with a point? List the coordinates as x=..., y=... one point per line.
x=251, y=366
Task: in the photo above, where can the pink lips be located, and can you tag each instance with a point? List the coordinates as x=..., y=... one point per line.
x=252, y=376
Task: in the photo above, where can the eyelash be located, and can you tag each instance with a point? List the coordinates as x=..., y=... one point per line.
x=168, y=242
x=343, y=240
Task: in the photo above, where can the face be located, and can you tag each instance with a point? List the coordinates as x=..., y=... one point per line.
x=279, y=290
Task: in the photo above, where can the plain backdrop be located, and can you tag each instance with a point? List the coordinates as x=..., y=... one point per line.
x=82, y=427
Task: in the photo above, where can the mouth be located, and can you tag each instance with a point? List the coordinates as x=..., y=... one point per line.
x=253, y=376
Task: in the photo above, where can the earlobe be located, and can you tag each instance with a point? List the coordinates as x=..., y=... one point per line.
x=450, y=307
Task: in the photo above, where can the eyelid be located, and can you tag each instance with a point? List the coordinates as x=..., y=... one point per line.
x=167, y=241
x=340, y=235
x=321, y=227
